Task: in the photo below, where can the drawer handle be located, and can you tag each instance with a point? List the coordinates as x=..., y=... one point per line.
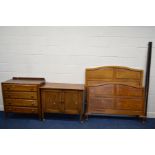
x=32, y=96
x=54, y=103
x=9, y=103
x=76, y=103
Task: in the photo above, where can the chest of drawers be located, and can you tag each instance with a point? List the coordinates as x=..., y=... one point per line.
x=62, y=98
x=22, y=95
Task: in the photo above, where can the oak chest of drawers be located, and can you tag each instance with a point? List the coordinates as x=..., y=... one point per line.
x=62, y=98
x=22, y=95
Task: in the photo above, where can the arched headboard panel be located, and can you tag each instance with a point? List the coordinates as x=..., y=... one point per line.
x=116, y=74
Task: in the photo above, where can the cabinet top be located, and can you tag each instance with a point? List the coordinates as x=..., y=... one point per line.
x=25, y=80
x=63, y=86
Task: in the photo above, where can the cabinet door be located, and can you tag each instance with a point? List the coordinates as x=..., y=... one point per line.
x=52, y=101
x=72, y=102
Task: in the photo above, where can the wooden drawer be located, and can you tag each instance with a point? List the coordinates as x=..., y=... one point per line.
x=15, y=87
x=21, y=109
x=134, y=104
x=20, y=95
x=21, y=102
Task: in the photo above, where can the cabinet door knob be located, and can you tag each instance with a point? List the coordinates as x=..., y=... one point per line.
x=53, y=102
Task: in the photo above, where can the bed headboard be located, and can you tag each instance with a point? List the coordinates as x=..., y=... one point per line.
x=117, y=74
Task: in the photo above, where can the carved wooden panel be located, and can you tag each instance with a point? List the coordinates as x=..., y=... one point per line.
x=134, y=104
x=100, y=103
x=102, y=73
x=113, y=98
x=122, y=73
x=117, y=74
x=125, y=90
x=102, y=90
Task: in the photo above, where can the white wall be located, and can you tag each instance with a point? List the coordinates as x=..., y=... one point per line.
x=61, y=54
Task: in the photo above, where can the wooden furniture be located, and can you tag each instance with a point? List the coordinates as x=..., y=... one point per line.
x=62, y=98
x=22, y=95
x=115, y=90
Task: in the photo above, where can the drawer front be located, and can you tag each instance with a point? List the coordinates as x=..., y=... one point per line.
x=20, y=95
x=21, y=102
x=15, y=87
x=21, y=109
x=99, y=104
x=130, y=104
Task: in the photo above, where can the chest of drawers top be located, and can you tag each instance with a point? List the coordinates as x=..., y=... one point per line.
x=25, y=81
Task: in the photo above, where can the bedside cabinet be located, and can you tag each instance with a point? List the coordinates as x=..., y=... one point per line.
x=62, y=98
x=22, y=95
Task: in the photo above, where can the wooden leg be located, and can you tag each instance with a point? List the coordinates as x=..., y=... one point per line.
x=5, y=115
x=86, y=117
x=81, y=118
x=43, y=118
x=40, y=116
x=143, y=118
